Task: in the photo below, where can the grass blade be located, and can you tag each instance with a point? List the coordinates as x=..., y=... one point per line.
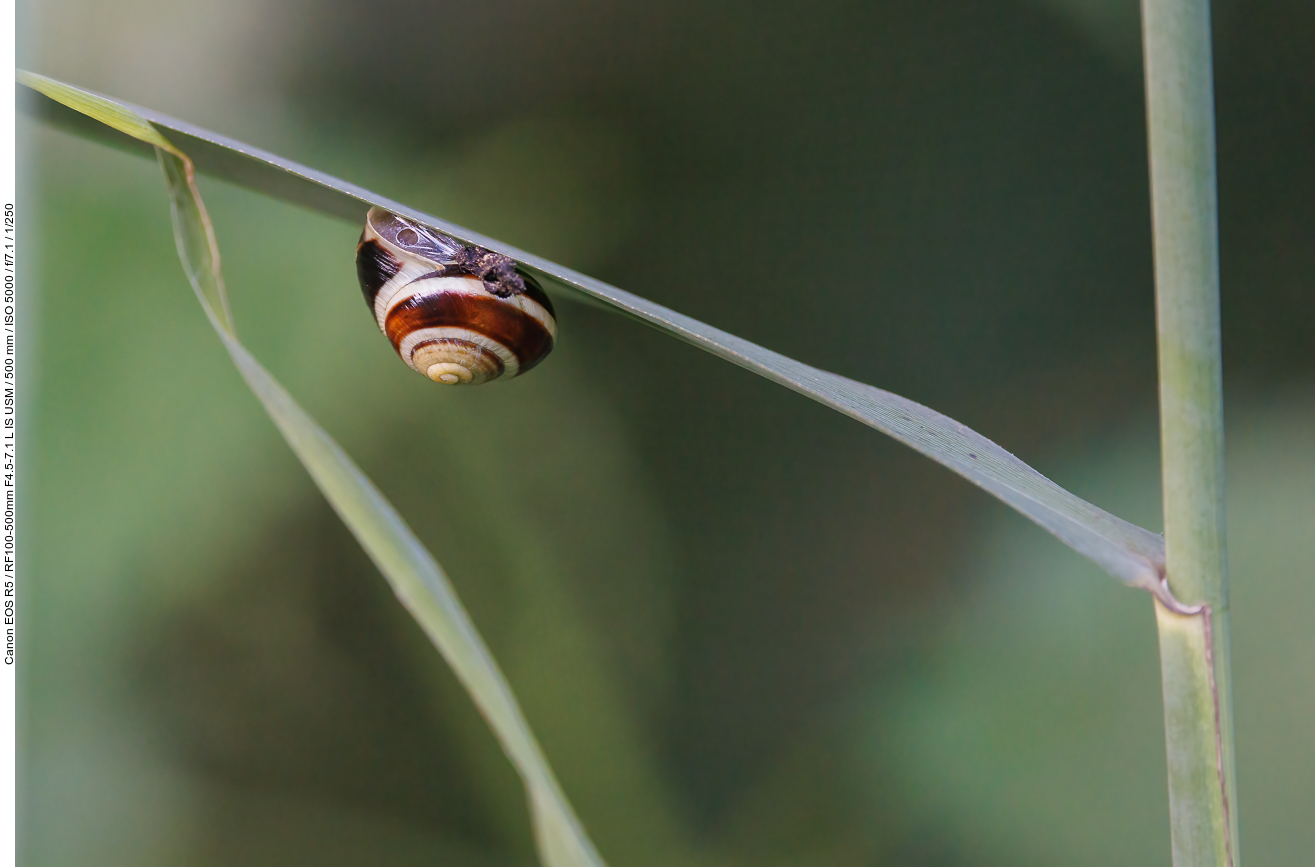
x=411, y=570
x=1131, y=554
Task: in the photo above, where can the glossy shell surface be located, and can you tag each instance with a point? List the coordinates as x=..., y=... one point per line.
x=460, y=314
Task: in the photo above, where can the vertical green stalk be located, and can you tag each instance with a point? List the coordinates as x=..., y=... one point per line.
x=1194, y=641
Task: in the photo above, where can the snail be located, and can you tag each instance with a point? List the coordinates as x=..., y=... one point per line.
x=460, y=314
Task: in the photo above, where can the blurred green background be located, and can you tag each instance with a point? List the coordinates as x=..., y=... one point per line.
x=748, y=631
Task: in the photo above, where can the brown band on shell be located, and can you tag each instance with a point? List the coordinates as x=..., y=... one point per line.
x=486, y=315
x=375, y=266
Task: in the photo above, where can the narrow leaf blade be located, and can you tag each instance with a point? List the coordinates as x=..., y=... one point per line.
x=1130, y=553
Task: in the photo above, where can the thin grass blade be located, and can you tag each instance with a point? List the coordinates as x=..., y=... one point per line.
x=415, y=576
x=1130, y=553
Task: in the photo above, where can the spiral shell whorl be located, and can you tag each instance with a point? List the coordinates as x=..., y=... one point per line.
x=456, y=362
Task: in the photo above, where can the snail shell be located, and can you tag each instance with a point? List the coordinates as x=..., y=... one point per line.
x=460, y=314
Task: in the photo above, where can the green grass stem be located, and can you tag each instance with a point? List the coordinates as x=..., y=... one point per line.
x=1194, y=646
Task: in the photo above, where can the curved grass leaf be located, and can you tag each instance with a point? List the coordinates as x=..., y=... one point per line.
x=1130, y=553
x=415, y=576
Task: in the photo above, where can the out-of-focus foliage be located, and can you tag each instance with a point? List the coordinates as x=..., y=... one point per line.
x=524, y=518
x=738, y=622
x=410, y=569
x=1028, y=757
